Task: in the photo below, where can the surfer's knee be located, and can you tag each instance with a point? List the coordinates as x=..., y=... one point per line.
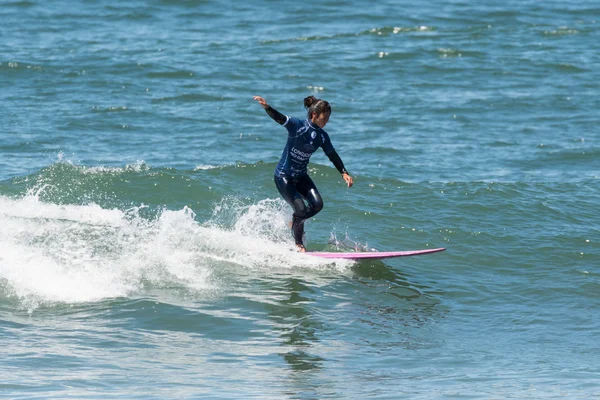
x=317, y=205
x=316, y=201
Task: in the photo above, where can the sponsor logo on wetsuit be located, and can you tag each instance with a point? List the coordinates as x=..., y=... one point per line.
x=300, y=155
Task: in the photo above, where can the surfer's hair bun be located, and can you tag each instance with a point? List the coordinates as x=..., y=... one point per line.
x=318, y=106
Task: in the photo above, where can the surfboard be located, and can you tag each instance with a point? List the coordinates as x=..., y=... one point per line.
x=373, y=255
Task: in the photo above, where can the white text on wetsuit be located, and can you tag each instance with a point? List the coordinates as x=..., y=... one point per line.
x=300, y=155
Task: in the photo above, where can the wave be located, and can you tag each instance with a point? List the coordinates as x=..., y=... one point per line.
x=383, y=31
x=17, y=66
x=190, y=98
x=562, y=31
x=53, y=253
x=177, y=74
x=122, y=186
x=19, y=4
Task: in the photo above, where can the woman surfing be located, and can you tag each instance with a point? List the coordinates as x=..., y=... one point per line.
x=291, y=174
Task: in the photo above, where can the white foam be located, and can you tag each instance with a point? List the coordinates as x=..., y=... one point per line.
x=138, y=166
x=81, y=253
x=206, y=167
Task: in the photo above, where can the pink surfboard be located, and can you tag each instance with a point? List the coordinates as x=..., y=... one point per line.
x=373, y=255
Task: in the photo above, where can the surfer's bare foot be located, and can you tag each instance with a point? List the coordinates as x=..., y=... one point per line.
x=301, y=248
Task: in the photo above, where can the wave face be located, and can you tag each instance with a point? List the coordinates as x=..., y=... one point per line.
x=62, y=247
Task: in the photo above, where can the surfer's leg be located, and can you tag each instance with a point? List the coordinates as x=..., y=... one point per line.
x=298, y=229
x=288, y=191
x=307, y=188
x=304, y=187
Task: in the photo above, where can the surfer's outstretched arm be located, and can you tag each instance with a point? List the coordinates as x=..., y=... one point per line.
x=273, y=113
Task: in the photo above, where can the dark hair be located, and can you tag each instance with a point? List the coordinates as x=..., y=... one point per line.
x=318, y=106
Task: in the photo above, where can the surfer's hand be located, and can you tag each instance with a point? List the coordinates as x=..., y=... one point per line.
x=348, y=179
x=261, y=101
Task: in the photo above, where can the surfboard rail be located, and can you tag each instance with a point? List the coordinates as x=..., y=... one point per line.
x=373, y=255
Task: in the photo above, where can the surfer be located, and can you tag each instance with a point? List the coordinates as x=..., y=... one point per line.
x=291, y=174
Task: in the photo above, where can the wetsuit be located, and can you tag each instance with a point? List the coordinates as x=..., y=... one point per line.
x=291, y=173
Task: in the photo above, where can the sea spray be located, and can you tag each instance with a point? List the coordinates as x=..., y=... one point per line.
x=83, y=253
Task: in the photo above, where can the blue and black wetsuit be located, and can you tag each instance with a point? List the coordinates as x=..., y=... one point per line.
x=291, y=173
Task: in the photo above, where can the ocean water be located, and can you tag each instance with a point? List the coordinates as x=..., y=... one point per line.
x=144, y=251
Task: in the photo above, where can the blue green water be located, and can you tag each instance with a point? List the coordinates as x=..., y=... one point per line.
x=144, y=251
